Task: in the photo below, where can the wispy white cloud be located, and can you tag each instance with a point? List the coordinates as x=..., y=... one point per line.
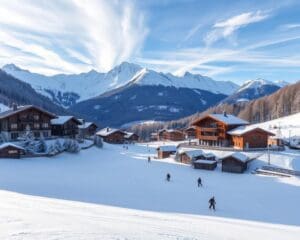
x=226, y=28
x=290, y=26
x=70, y=36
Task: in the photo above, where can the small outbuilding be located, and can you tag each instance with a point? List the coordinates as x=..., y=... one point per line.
x=186, y=155
x=205, y=164
x=165, y=151
x=235, y=163
x=10, y=150
x=275, y=141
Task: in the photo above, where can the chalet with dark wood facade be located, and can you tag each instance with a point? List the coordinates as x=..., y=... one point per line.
x=9, y=150
x=131, y=137
x=87, y=129
x=245, y=137
x=212, y=129
x=65, y=126
x=111, y=135
x=205, y=164
x=15, y=122
x=235, y=163
x=171, y=135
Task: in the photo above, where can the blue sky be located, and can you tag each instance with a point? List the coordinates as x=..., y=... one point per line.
x=226, y=40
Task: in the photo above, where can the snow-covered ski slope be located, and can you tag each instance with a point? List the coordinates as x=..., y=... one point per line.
x=114, y=193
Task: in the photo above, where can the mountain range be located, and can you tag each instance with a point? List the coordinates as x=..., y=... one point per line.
x=130, y=93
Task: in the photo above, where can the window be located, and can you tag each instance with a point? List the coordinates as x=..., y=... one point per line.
x=45, y=125
x=36, y=134
x=36, y=125
x=45, y=134
x=36, y=117
x=12, y=151
x=14, y=136
x=14, y=126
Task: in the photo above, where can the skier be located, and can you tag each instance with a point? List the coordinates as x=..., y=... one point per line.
x=149, y=159
x=168, y=178
x=199, y=182
x=212, y=203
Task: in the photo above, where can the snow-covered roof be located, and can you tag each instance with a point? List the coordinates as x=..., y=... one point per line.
x=129, y=134
x=239, y=156
x=4, y=145
x=85, y=124
x=23, y=108
x=167, y=148
x=209, y=155
x=244, y=129
x=228, y=119
x=190, y=152
x=205, y=161
x=107, y=131
x=60, y=120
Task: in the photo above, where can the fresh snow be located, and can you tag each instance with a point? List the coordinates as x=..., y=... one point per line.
x=228, y=118
x=285, y=127
x=3, y=107
x=114, y=193
x=258, y=83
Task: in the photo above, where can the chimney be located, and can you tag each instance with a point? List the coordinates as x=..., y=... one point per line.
x=107, y=129
x=14, y=106
x=224, y=113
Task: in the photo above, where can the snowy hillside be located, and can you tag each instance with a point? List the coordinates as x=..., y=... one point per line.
x=258, y=83
x=286, y=127
x=113, y=193
x=67, y=90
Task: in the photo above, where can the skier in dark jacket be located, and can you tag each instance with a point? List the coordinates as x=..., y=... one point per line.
x=199, y=182
x=168, y=177
x=149, y=159
x=212, y=203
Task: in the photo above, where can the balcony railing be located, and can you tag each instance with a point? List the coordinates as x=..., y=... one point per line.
x=208, y=129
x=209, y=138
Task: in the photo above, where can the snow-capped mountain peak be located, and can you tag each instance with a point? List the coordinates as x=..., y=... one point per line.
x=68, y=89
x=254, y=84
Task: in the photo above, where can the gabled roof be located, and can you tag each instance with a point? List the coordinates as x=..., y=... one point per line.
x=5, y=145
x=238, y=156
x=107, y=131
x=191, y=152
x=86, y=124
x=228, y=119
x=11, y=112
x=245, y=129
x=205, y=161
x=129, y=134
x=60, y=120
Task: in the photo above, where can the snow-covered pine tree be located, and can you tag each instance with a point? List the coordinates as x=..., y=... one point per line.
x=41, y=146
x=58, y=146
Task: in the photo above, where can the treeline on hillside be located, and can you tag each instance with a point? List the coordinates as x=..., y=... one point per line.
x=284, y=102
x=13, y=90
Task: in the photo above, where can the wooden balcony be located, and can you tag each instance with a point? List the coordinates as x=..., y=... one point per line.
x=208, y=129
x=208, y=138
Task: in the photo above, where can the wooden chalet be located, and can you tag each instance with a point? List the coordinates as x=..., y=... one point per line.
x=171, y=135
x=87, y=129
x=205, y=164
x=165, y=151
x=245, y=137
x=9, y=150
x=65, y=126
x=16, y=121
x=154, y=137
x=111, y=135
x=131, y=137
x=235, y=163
x=190, y=132
x=212, y=129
